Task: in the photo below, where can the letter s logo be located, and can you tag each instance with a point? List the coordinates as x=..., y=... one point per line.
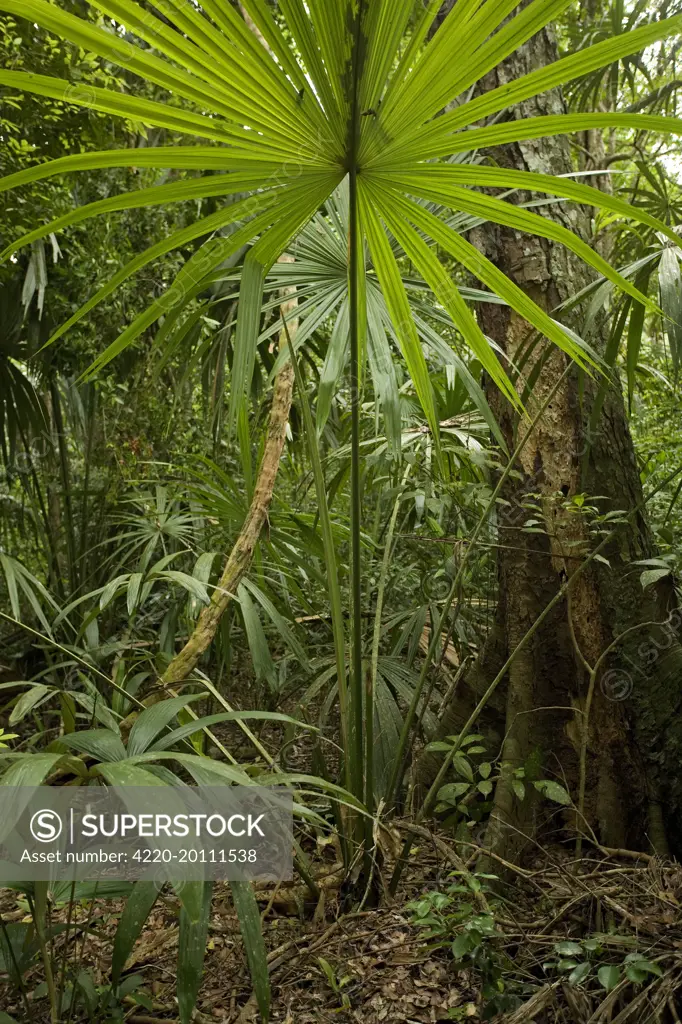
x=46, y=826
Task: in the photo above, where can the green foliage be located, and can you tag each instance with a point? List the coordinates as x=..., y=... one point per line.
x=450, y=919
x=122, y=494
x=582, y=960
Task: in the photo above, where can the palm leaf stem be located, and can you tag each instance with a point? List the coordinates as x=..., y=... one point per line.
x=358, y=720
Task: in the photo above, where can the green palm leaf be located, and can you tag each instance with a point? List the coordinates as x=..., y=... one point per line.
x=421, y=182
x=175, y=192
x=538, y=128
x=199, y=158
x=559, y=73
x=445, y=291
x=118, y=104
x=398, y=307
x=282, y=113
x=481, y=267
x=499, y=212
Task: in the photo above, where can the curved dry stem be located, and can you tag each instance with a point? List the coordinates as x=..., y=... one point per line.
x=240, y=557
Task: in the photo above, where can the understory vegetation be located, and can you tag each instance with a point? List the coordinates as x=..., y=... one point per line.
x=341, y=456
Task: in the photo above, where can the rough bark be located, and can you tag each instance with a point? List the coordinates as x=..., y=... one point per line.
x=547, y=684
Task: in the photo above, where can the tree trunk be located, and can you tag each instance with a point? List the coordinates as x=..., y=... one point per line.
x=548, y=683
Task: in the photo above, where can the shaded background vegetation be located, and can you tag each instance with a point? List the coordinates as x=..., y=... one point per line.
x=122, y=494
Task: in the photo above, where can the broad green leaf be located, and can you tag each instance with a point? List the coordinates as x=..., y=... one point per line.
x=152, y=720
x=463, y=944
x=122, y=773
x=438, y=747
x=568, y=948
x=191, y=952
x=553, y=791
x=609, y=976
x=254, y=946
x=463, y=768
x=653, y=576
x=100, y=743
x=194, y=587
x=110, y=590
x=579, y=974
x=137, y=909
x=28, y=701
x=453, y=791
x=96, y=708
x=198, y=767
x=30, y=769
x=641, y=964
x=519, y=788
x=635, y=974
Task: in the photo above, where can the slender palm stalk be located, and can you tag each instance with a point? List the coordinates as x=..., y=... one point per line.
x=355, y=264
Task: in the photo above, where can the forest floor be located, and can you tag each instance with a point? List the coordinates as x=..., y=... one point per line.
x=331, y=961
x=374, y=965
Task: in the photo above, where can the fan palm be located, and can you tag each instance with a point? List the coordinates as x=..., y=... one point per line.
x=318, y=271
x=358, y=89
